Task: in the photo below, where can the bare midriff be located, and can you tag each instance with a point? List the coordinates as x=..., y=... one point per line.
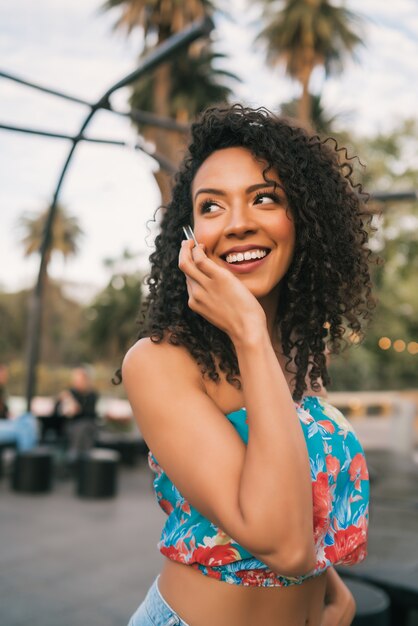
x=203, y=601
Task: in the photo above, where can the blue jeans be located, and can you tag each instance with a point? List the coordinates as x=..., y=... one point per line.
x=155, y=611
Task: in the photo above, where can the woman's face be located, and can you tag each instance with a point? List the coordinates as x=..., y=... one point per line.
x=237, y=213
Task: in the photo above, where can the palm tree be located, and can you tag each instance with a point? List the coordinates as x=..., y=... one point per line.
x=321, y=120
x=305, y=34
x=158, y=19
x=65, y=237
x=180, y=88
x=195, y=82
x=66, y=233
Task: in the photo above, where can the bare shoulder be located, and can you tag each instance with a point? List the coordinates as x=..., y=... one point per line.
x=150, y=361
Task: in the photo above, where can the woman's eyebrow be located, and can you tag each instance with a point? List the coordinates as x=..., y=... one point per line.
x=217, y=192
x=249, y=189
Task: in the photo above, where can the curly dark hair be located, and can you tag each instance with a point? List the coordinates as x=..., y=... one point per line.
x=327, y=288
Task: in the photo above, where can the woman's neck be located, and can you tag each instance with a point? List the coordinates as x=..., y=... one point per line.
x=270, y=304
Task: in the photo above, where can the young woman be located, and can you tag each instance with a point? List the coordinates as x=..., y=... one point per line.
x=264, y=483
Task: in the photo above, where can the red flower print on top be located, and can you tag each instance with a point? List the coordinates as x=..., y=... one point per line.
x=329, y=426
x=321, y=497
x=349, y=544
x=215, y=555
x=333, y=465
x=255, y=577
x=212, y=573
x=166, y=506
x=179, y=551
x=184, y=506
x=171, y=552
x=358, y=470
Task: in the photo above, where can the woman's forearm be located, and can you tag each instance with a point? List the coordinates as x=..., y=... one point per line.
x=275, y=494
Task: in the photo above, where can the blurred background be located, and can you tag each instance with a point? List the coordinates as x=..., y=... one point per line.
x=343, y=68
x=351, y=74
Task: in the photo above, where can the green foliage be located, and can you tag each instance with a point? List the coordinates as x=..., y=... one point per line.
x=304, y=34
x=100, y=333
x=296, y=27
x=52, y=378
x=111, y=328
x=157, y=18
x=355, y=369
x=389, y=166
x=13, y=321
x=66, y=233
x=181, y=88
x=62, y=325
x=322, y=121
x=196, y=82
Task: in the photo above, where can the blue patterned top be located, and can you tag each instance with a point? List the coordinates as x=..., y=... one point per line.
x=340, y=493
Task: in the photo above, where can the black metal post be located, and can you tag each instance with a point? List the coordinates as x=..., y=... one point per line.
x=159, y=55
x=396, y=196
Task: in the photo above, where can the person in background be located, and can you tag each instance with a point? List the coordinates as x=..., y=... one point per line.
x=78, y=405
x=4, y=377
x=17, y=430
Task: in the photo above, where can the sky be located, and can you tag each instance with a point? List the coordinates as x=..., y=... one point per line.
x=70, y=46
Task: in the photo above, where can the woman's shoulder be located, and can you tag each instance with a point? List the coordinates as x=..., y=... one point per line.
x=159, y=358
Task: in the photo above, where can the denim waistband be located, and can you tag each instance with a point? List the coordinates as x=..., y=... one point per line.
x=159, y=610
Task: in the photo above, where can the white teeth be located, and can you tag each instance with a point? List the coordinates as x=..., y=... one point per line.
x=246, y=256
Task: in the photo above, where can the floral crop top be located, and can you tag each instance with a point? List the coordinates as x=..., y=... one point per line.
x=340, y=491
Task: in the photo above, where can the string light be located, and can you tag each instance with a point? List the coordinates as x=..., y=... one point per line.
x=412, y=347
x=399, y=345
x=384, y=343
x=354, y=337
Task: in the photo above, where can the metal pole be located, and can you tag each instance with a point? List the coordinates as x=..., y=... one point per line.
x=395, y=196
x=51, y=135
x=142, y=117
x=159, y=55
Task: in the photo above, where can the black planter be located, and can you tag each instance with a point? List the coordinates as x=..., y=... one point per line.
x=373, y=604
x=97, y=473
x=32, y=471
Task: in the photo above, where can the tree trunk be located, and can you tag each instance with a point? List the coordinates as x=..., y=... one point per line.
x=162, y=89
x=305, y=103
x=169, y=143
x=35, y=318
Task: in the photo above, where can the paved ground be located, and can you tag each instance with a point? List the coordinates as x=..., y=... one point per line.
x=392, y=560
x=65, y=561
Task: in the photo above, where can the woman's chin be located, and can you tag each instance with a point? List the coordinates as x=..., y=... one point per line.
x=262, y=294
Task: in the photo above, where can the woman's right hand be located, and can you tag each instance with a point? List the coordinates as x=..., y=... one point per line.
x=340, y=606
x=219, y=296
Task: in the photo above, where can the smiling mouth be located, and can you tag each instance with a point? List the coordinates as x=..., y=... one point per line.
x=245, y=258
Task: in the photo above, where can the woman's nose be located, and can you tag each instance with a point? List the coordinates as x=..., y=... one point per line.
x=239, y=223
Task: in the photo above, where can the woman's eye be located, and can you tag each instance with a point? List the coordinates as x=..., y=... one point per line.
x=208, y=206
x=266, y=198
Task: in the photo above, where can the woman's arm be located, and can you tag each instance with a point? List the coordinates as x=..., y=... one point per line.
x=275, y=490
x=259, y=494
x=340, y=606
